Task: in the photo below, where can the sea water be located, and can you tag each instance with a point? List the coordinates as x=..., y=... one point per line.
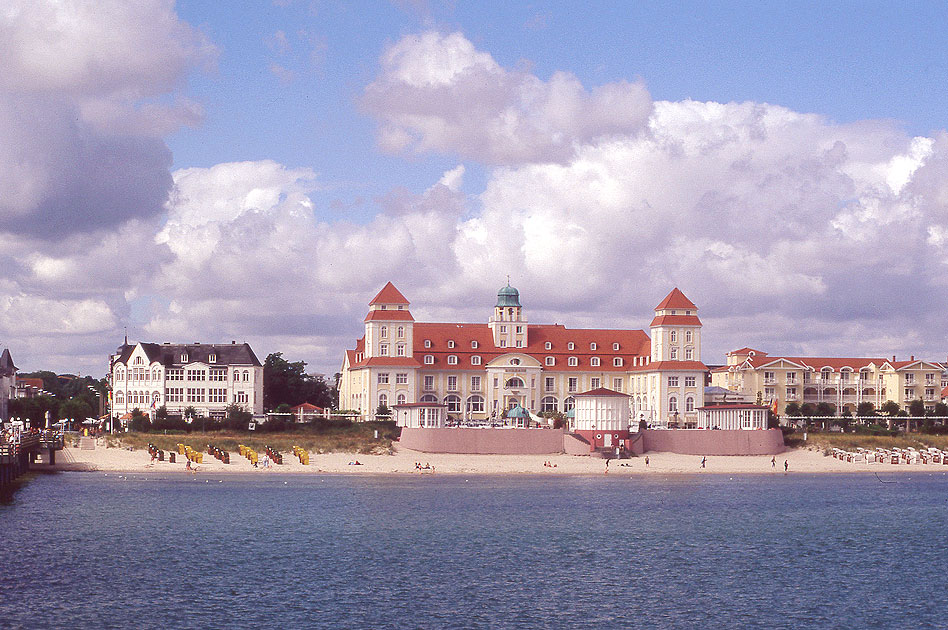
x=90, y=550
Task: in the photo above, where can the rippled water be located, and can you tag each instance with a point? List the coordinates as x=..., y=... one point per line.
x=482, y=552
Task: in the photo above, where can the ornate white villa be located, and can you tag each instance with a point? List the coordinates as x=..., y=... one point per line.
x=845, y=383
x=208, y=377
x=479, y=370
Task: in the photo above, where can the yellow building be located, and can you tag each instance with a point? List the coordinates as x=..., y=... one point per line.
x=480, y=370
x=842, y=382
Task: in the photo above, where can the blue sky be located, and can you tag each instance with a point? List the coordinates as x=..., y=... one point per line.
x=258, y=170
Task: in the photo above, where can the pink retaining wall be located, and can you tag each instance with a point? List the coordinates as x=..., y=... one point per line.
x=484, y=441
x=707, y=442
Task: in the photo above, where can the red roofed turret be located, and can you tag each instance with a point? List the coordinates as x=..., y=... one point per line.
x=676, y=300
x=389, y=295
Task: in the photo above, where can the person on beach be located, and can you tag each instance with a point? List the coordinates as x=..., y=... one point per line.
x=773, y=461
x=703, y=461
x=786, y=465
x=646, y=461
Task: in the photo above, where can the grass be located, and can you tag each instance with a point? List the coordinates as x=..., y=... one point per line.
x=826, y=442
x=355, y=438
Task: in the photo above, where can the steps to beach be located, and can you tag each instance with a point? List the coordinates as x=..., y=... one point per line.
x=87, y=443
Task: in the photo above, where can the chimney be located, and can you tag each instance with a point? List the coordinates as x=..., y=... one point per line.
x=233, y=343
x=893, y=358
x=912, y=358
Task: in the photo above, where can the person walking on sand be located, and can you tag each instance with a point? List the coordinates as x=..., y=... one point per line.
x=786, y=465
x=703, y=461
x=773, y=461
x=646, y=461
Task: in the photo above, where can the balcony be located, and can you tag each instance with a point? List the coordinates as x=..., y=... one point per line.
x=770, y=381
x=793, y=381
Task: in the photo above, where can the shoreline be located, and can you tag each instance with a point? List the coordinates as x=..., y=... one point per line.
x=402, y=462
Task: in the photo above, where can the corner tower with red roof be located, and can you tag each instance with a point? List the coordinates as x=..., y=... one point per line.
x=388, y=325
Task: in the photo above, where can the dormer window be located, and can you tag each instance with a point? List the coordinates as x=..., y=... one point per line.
x=687, y=312
x=474, y=344
x=548, y=345
x=571, y=346
x=615, y=346
x=475, y=360
x=573, y=361
x=212, y=358
x=550, y=361
x=450, y=343
x=515, y=361
x=593, y=346
x=594, y=362
x=184, y=357
x=429, y=359
x=452, y=359
x=427, y=343
x=674, y=312
x=384, y=307
x=617, y=362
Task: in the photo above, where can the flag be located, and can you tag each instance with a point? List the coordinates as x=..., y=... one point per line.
x=773, y=406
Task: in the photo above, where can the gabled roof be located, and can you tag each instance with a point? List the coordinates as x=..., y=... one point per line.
x=389, y=295
x=6, y=360
x=168, y=354
x=676, y=299
x=602, y=391
x=306, y=407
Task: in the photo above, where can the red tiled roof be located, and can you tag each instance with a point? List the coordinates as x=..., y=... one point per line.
x=676, y=320
x=306, y=407
x=388, y=362
x=391, y=316
x=746, y=350
x=31, y=382
x=677, y=366
x=602, y=391
x=389, y=295
x=944, y=392
x=676, y=299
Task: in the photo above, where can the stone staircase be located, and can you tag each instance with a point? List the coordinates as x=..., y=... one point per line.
x=87, y=443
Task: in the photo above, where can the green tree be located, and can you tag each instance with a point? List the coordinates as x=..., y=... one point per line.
x=76, y=409
x=285, y=382
x=941, y=410
x=890, y=408
x=808, y=410
x=139, y=421
x=792, y=409
x=236, y=418
x=916, y=408
x=825, y=409
x=866, y=409
x=383, y=410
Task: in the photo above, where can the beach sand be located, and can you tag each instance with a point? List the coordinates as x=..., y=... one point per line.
x=403, y=462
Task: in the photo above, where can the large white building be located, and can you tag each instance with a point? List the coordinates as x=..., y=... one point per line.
x=207, y=377
x=479, y=370
x=7, y=383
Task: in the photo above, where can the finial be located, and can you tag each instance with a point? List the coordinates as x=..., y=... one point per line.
x=126, y=335
x=508, y=279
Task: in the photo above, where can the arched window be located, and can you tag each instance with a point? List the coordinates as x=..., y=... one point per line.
x=400, y=400
x=689, y=404
x=550, y=361
x=571, y=346
x=475, y=404
x=615, y=346
x=429, y=398
x=453, y=401
x=569, y=404
x=573, y=361
x=452, y=359
x=400, y=332
x=139, y=361
x=594, y=362
x=246, y=376
x=383, y=400
x=673, y=404
x=156, y=374
x=548, y=403
x=450, y=343
x=474, y=344
x=673, y=337
x=515, y=382
x=119, y=398
x=689, y=336
x=593, y=346
x=548, y=345
x=475, y=360
x=120, y=375
x=236, y=375
x=384, y=333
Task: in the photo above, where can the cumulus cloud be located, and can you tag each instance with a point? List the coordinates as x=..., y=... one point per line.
x=438, y=93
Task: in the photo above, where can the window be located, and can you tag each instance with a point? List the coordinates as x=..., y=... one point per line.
x=120, y=375
x=217, y=395
x=791, y=393
x=573, y=361
x=617, y=362
x=689, y=354
x=452, y=383
x=909, y=379
x=673, y=355
x=593, y=346
x=384, y=332
x=197, y=375
x=383, y=350
x=401, y=378
x=515, y=361
x=689, y=404
x=401, y=399
x=476, y=360
x=548, y=403
x=548, y=345
x=175, y=374
x=427, y=343
x=175, y=394
x=400, y=332
x=428, y=398
x=573, y=384
x=615, y=346
x=429, y=382
x=673, y=337
x=453, y=401
x=594, y=362
x=514, y=382
x=503, y=329
x=571, y=346
x=139, y=361
x=400, y=350
x=673, y=405
x=212, y=358
x=383, y=400
x=673, y=381
x=769, y=393
x=519, y=329
x=689, y=336
x=617, y=384
x=503, y=343
x=195, y=395
x=929, y=379
x=246, y=376
x=429, y=359
x=475, y=404
x=217, y=375
x=549, y=383
x=474, y=345
x=475, y=383
x=242, y=397
x=184, y=357
x=383, y=378
x=450, y=343
x=689, y=381
x=595, y=383
x=550, y=361
x=519, y=343
x=569, y=404
x=119, y=398
x=452, y=359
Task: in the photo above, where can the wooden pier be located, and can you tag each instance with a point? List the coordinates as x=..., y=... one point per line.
x=16, y=457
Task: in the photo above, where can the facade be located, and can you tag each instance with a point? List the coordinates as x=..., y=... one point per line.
x=207, y=377
x=480, y=370
x=7, y=383
x=602, y=416
x=731, y=417
x=844, y=383
x=420, y=415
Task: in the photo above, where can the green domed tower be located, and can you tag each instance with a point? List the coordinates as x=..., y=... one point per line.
x=508, y=322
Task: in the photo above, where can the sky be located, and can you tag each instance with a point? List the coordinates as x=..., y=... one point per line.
x=257, y=170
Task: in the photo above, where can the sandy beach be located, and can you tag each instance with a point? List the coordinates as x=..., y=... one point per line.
x=403, y=462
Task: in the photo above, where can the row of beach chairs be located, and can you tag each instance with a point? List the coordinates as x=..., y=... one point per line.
x=909, y=455
x=195, y=456
x=302, y=454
